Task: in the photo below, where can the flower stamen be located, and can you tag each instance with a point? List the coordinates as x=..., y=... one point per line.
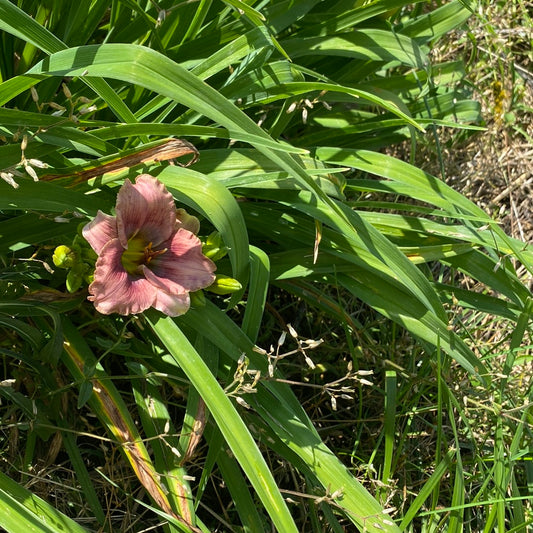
x=149, y=254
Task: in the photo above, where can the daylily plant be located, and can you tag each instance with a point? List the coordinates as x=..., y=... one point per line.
x=148, y=254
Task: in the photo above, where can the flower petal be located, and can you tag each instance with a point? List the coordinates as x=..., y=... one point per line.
x=182, y=267
x=113, y=289
x=172, y=304
x=145, y=209
x=100, y=231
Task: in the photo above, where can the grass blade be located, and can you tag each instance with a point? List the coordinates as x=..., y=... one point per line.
x=21, y=511
x=228, y=420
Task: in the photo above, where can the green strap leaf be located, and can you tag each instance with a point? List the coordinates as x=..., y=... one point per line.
x=13, y=20
x=227, y=418
x=22, y=511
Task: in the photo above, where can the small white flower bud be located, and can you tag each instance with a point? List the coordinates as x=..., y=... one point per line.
x=282, y=338
x=333, y=403
x=175, y=451
x=86, y=110
x=243, y=402
x=37, y=163
x=58, y=107
x=34, y=94
x=31, y=172
x=292, y=331
x=292, y=107
x=66, y=91
x=8, y=177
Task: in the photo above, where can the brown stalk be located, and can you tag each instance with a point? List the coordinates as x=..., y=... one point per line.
x=132, y=447
x=169, y=149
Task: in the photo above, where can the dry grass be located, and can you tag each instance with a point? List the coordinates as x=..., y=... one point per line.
x=493, y=168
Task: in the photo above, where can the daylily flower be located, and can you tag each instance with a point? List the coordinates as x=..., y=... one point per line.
x=148, y=254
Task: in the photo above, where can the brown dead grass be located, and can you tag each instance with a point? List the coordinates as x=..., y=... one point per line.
x=493, y=168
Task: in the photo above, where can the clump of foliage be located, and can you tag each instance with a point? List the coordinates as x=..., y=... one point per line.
x=290, y=105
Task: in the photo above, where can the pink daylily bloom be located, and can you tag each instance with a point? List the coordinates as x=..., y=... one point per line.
x=148, y=254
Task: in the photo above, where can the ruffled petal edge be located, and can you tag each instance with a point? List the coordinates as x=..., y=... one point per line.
x=172, y=304
x=145, y=209
x=101, y=230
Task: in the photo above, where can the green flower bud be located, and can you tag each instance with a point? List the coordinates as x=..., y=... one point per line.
x=64, y=257
x=214, y=247
x=224, y=285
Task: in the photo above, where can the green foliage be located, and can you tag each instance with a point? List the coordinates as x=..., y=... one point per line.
x=290, y=104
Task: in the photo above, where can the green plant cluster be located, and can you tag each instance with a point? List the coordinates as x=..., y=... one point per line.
x=291, y=105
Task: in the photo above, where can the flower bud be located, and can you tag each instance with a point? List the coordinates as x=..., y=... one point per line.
x=34, y=94
x=224, y=285
x=37, y=163
x=214, y=247
x=8, y=177
x=64, y=257
x=66, y=91
x=57, y=107
x=31, y=171
x=86, y=110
